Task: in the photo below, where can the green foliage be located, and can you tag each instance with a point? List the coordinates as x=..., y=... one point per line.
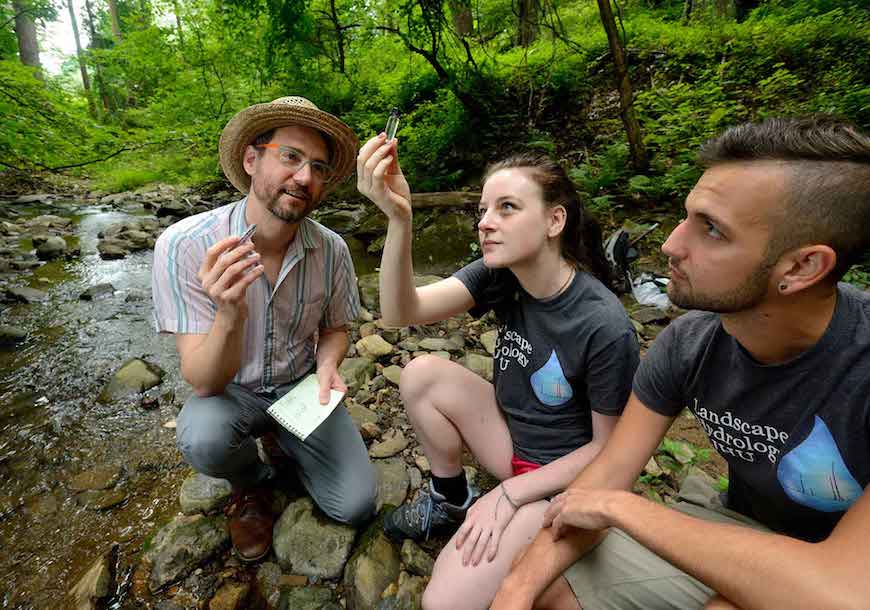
x=464, y=101
x=42, y=125
x=858, y=275
x=427, y=138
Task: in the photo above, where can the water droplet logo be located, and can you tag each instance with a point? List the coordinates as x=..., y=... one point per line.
x=549, y=383
x=813, y=474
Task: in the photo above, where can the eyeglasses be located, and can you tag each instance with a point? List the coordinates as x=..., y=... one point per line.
x=295, y=160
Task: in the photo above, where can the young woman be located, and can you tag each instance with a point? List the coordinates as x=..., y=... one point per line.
x=563, y=365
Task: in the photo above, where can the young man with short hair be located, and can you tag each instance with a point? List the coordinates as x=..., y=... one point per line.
x=776, y=368
x=252, y=319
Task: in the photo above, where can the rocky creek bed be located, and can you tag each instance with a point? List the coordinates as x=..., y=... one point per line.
x=97, y=509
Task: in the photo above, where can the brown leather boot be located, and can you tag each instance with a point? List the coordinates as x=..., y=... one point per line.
x=251, y=522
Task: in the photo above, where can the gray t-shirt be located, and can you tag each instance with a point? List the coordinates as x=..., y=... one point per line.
x=796, y=435
x=556, y=360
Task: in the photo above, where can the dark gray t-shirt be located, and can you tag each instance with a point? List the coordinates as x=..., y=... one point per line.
x=796, y=436
x=556, y=360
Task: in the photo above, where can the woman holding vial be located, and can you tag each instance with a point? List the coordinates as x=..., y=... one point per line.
x=563, y=364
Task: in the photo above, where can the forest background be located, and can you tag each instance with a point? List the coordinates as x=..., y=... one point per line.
x=155, y=81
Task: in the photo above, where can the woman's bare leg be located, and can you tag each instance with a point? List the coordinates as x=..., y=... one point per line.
x=471, y=587
x=449, y=406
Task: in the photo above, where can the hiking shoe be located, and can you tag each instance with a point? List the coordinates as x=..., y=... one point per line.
x=428, y=512
x=251, y=521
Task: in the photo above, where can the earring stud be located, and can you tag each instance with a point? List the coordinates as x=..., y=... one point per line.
x=783, y=286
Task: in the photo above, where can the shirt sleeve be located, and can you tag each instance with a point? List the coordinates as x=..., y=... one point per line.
x=180, y=304
x=476, y=278
x=612, y=362
x=343, y=305
x=657, y=383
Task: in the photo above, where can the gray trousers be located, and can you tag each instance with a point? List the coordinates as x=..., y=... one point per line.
x=216, y=435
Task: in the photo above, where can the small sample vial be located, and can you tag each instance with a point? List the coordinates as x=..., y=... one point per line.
x=392, y=124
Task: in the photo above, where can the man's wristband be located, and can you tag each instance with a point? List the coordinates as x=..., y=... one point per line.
x=507, y=497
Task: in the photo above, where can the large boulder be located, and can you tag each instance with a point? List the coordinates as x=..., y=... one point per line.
x=135, y=375
x=307, y=542
x=201, y=493
x=182, y=545
x=52, y=248
x=373, y=567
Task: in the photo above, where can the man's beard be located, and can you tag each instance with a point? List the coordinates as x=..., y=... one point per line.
x=289, y=213
x=751, y=293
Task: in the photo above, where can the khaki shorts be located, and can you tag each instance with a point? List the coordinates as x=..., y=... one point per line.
x=621, y=574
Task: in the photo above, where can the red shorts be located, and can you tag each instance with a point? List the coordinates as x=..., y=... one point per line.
x=521, y=466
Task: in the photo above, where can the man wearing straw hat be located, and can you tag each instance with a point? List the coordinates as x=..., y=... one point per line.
x=253, y=317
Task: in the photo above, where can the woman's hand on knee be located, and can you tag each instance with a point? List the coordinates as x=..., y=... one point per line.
x=486, y=521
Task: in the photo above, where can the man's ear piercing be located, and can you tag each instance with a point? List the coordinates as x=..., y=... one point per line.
x=783, y=286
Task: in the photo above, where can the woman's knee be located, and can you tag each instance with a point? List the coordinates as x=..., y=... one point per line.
x=418, y=376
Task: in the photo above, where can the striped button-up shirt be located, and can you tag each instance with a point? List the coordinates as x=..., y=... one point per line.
x=316, y=288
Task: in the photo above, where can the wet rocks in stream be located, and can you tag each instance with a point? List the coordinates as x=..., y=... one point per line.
x=135, y=375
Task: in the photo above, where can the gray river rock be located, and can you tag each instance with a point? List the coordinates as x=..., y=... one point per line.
x=183, y=544
x=307, y=542
x=203, y=494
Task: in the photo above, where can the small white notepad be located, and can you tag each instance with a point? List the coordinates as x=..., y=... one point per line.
x=300, y=411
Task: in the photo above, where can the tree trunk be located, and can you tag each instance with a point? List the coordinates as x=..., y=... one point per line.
x=25, y=31
x=339, y=35
x=116, y=23
x=98, y=76
x=626, y=96
x=177, y=10
x=86, y=81
x=463, y=20
x=687, y=11
x=528, y=21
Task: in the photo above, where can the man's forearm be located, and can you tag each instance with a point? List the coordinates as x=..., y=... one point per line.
x=331, y=347
x=750, y=568
x=213, y=363
x=543, y=562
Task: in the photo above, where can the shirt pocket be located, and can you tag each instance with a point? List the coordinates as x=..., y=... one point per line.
x=308, y=320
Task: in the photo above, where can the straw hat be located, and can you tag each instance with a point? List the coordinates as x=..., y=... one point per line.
x=292, y=110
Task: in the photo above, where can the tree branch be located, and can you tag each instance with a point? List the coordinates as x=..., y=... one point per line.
x=109, y=156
